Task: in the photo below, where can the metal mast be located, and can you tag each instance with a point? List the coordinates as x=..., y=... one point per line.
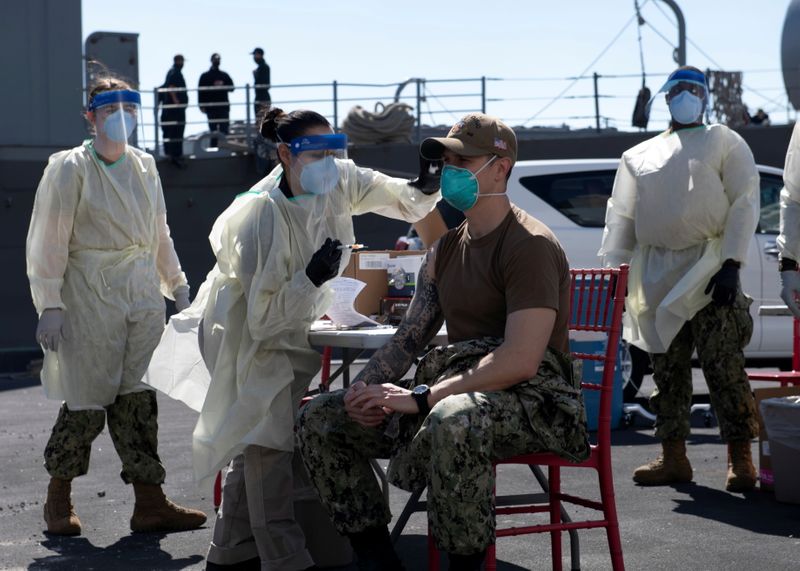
x=679, y=54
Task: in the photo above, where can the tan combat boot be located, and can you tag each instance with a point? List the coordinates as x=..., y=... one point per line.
x=671, y=467
x=58, y=511
x=154, y=512
x=741, y=472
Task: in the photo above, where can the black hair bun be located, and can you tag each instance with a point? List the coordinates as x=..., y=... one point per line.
x=269, y=125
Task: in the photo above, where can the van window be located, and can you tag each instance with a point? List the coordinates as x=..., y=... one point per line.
x=769, y=221
x=581, y=197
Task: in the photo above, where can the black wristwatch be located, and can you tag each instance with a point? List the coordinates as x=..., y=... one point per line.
x=420, y=394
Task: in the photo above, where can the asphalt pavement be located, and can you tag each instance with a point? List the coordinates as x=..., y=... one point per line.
x=684, y=527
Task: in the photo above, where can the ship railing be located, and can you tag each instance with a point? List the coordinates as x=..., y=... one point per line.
x=440, y=101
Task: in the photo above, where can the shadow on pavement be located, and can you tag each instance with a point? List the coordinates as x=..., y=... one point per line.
x=755, y=511
x=413, y=550
x=10, y=382
x=137, y=551
x=504, y=566
x=645, y=437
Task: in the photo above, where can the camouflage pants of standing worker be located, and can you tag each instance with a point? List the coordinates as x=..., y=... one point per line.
x=450, y=451
x=133, y=425
x=719, y=333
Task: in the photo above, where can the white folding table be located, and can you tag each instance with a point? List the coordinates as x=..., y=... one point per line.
x=353, y=343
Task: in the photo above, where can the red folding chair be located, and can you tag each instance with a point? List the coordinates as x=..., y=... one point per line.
x=596, y=302
x=785, y=378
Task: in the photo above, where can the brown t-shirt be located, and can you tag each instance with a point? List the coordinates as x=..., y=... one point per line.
x=518, y=265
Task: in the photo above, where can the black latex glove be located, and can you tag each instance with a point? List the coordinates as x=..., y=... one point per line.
x=725, y=283
x=324, y=264
x=430, y=174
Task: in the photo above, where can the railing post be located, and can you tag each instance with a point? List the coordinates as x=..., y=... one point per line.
x=419, y=110
x=596, y=104
x=156, y=150
x=483, y=94
x=248, y=129
x=335, y=106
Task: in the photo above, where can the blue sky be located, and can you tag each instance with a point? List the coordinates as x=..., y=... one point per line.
x=525, y=43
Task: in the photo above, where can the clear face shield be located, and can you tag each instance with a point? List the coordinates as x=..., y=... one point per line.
x=683, y=99
x=117, y=114
x=314, y=160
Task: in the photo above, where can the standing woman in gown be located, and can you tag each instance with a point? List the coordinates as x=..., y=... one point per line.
x=100, y=261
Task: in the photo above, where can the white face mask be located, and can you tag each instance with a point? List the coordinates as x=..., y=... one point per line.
x=320, y=177
x=119, y=126
x=686, y=108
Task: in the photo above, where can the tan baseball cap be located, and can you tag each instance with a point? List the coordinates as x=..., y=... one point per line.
x=476, y=134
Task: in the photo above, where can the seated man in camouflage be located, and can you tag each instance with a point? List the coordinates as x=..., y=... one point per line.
x=502, y=387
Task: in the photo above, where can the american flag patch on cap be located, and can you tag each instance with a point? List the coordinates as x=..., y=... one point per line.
x=500, y=144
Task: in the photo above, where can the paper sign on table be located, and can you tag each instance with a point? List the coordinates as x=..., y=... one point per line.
x=341, y=312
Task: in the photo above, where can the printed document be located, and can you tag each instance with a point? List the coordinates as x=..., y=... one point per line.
x=341, y=312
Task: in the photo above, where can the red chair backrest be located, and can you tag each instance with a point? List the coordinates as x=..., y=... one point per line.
x=597, y=298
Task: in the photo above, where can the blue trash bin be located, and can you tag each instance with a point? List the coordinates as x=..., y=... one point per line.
x=583, y=342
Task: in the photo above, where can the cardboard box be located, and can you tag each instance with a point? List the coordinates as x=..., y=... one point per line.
x=370, y=267
x=765, y=472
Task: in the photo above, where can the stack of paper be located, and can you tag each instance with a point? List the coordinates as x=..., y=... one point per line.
x=341, y=312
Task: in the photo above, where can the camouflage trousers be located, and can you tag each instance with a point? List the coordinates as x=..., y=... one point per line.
x=719, y=333
x=450, y=451
x=133, y=425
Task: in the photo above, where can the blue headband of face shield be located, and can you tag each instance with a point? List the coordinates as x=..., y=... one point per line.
x=119, y=96
x=318, y=143
x=687, y=75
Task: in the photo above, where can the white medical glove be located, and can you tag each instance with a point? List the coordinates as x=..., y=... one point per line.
x=790, y=289
x=48, y=331
x=181, y=295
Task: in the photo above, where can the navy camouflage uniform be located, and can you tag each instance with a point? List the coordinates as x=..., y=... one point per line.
x=450, y=451
x=133, y=425
x=719, y=333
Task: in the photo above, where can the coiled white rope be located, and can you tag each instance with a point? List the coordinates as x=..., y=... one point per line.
x=390, y=123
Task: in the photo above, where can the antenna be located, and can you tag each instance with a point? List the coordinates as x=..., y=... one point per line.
x=640, y=22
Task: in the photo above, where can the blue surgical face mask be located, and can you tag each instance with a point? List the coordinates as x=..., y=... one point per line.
x=320, y=177
x=686, y=108
x=460, y=186
x=119, y=126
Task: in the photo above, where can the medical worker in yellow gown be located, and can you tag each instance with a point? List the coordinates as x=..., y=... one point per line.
x=100, y=261
x=683, y=213
x=277, y=246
